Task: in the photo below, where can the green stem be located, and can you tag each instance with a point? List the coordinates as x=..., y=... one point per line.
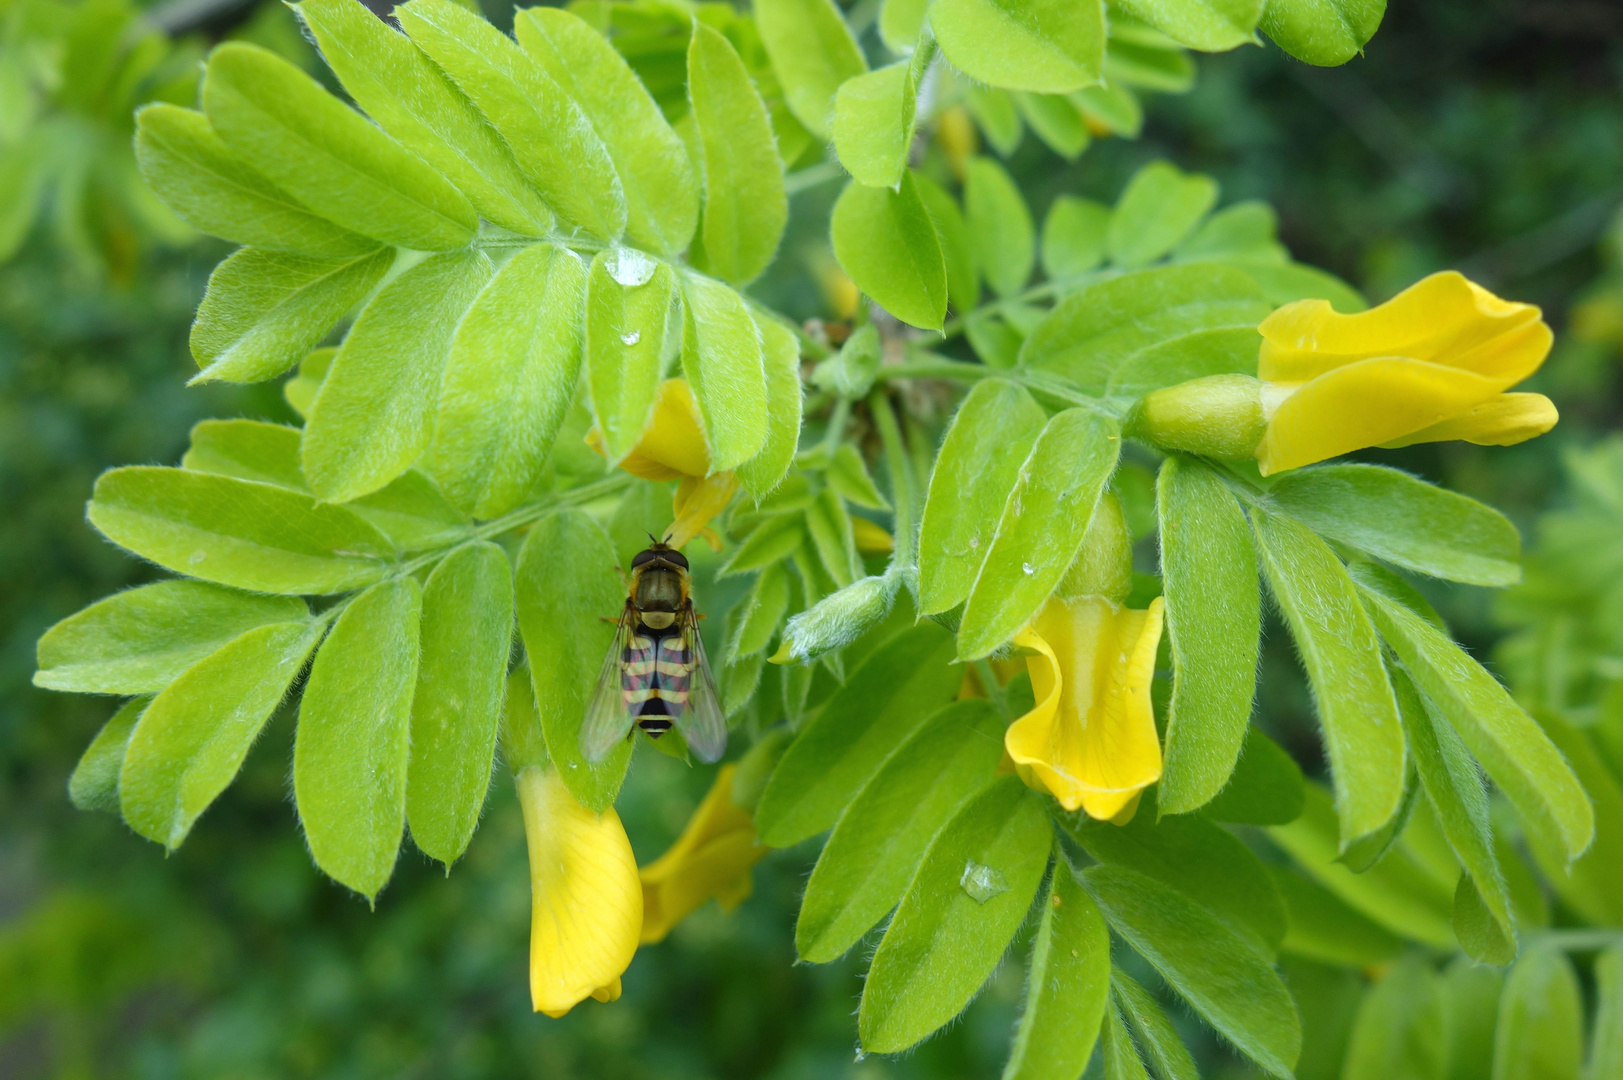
x=837, y=418
x=811, y=176
x=901, y=477
x=994, y=690
x=1575, y=940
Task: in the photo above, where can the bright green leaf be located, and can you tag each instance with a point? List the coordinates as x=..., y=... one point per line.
x=1322, y=32
x=1264, y=789
x=886, y=242
x=757, y=616
x=94, y=783
x=957, y=245
x=1156, y=1035
x=628, y=303
x=1057, y=121
x=1074, y=237
x=1159, y=207
x=1402, y=1026
x=873, y=123
x=999, y=225
x=1207, y=25
x=721, y=357
x=1068, y=988
x=1540, y=1033
x=1045, y=46
x=812, y=52
x=780, y=358
x=1224, y=350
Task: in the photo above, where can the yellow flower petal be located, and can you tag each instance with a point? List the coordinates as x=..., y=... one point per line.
x=712, y=858
x=871, y=539
x=1091, y=740
x=1502, y=421
x=696, y=502
x=585, y=898
x=672, y=446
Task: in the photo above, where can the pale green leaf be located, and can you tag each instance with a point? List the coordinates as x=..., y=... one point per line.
x=1046, y=46
x=1473, y=991
x=1207, y=25
x=1057, y=121
x=301, y=387
x=94, y=783
x=1606, y=1046
x=774, y=540
x=848, y=475
x=900, y=22
x=1402, y=1027
x=873, y=123
x=1000, y=226
x=721, y=357
x=886, y=242
x=756, y=617
x=1067, y=988
x=1074, y=237
x=957, y=245
x=1147, y=66
x=1322, y=32
x=780, y=358
x=1244, y=233
x=995, y=114
x=812, y=52
x=828, y=525
x=1114, y=108
x=1591, y=885
x=1156, y=1036
x=1159, y=207
x=628, y=304
x=1225, y=350
x=413, y=512
x=249, y=449
x=1540, y=1033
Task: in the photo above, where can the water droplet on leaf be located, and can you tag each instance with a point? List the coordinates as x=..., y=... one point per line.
x=982, y=882
x=631, y=338
x=630, y=267
x=1028, y=568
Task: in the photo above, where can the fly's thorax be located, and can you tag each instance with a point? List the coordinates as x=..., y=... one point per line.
x=659, y=590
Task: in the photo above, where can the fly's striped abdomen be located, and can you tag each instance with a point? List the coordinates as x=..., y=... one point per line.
x=655, y=673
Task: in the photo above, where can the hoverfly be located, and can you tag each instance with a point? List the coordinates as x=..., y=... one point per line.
x=655, y=675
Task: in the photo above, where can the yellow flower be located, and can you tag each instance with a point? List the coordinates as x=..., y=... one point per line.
x=1090, y=741
x=1432, y=363
x=585, y=900
x=712, y=857
x=673, y=448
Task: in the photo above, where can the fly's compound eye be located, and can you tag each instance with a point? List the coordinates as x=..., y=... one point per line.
x=675, y=558
x=643, y=558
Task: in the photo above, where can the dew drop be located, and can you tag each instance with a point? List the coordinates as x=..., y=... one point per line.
x=631, y=338
x=1028, y=568
x=197, y=557
x=982, y=882
x=630, y=267
x=862, y=1055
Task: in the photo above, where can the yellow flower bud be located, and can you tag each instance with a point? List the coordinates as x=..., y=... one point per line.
x=712, y=858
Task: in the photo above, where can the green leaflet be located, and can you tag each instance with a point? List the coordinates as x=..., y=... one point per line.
x=1214, y=621
x=374, y=413
x=1116, y=1049
x=812, y=52
x=1472, y=990
x=745, y=205
x=1245, y=232
x=661, y=192
x=556, y=147
x=1074, y=237
x=773, y=540
x=961, y=909
x=264, y=310
x=780, y=359
x=848, y=475
x=1323, y=32
x=1068, y=987
x=828, y=524
x=1041, y=528
x=1590, y=885
x=247, y=449
x=352, y=743
x=756, y=617
x=467, y=633
x=1506, y=741
x=1323, y=927
x=23, y=177
x=301, y=387
x=412, y=512
x=511, y=375
x=1114, y=107
x=883, y=701
x=1056, y=120
x=567, y=586
x=1226, y=981
x=1540, y=1032
x=721, y=357
x=900, y=22
x=881, y=837
x=1264, y=789
x=1402, y=1027
x=995, y=114
x=284, y=125
x=139, y=640
x=1046, y=46
x=873, y=123
x=1606, y=1046
x=1224, y=350
x=234, y=532
x=412, y=100
x=1153, y=1028
x=957, y=245
x=523, y=743
x=1403, y=520
x=1207, y=25
x=198, y=178
x=628, y=302
x=1159, y=207
x=886, y=242
x=999, y=226
x=94, y=783
x=192, y=738
x=1338, y=646
x=1397, y=892
x=1094, y=330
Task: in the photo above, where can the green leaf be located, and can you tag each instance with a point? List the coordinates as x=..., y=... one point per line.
x=555, y=145
x=192, y=738
x=1074, y=237
x=886, y=242
x=884, y=701
x=1338, y=646
x=1296, y=281
x=957, y=245
x=780, y=358
x=284, y=125
x=1404, y=520
x=1224, y=350
x=1264, y=789
x=1150, y=1023
x=234, y=532
x=996, y=114
x=413, y=512
x=94, y=783
x=963, y=906
x=1540, y=1032
x=567, y=588
x=374, y=413
x=1402, y=1027
x=138, y=641
x=1148, y=66
x=1207, y=25
x=828, y=524
x=1606, y=1046
x=1068, y=987
x=721, y=357
x=198, y=178
x=1000, y=225
x=1094, y=330
x=1244, y=233
x=467, y=633
x=900, y=22
x=848, y=475
x=1159, y=207
x=1114, y=108
x=264, y=310
x=1590, y=885
x=873, y=123
x=1046, y=46
x=1516, y=754
x=1226, y=981
x=774, y=540
x=628, y=303
x=248, y=449
x=509, y=380
x=1397, y=892
x=401, y=89
x=353, y=740
x=1214, y=620
x=882, y=836
x=1120, y=1056
x=661, y=192
x=1323, y=32
x=23, y=177
x=1323, y=927
x=812, y=52
x=1057, y=121
x=1041, y=527
x=300, y=389
x=745, y=204
x=756, y=617
x=1472, y=990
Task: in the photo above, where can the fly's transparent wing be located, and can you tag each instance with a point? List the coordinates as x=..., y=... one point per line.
x=702, y=723
x=608, y=717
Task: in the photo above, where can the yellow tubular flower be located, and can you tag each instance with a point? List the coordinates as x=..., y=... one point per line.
x=712, y=857
x=1090, y=741
x=1431, y=363
x=585, y=900
x=673, y=448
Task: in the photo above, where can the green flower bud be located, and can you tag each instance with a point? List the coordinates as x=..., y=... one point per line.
x=1104, y=565
x=1218, y=416
x=836, y=620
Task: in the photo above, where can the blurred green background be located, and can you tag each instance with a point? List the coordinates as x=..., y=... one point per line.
x=1485, y=135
